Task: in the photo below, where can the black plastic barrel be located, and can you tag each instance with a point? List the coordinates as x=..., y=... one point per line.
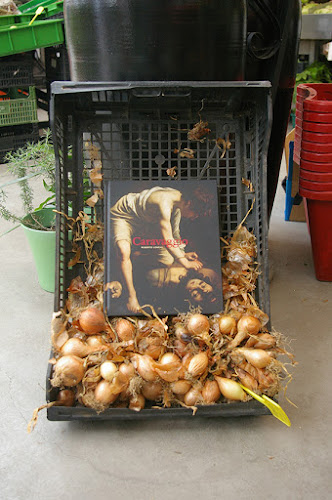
x=142, y=40
x=274, y=32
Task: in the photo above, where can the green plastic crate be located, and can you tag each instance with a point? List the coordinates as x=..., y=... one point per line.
x=22, y=37
x=32, y=6
x=18, y=111
x=53, y=9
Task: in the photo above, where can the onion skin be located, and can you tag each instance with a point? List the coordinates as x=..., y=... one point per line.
x=145, y=367
x=198, y=364
x=137, y=403
x=125, y=330
x=231, y=389
x=227, y=325
x=66, y=397
x=257, y=357
x=247, y=380
x=211, y=392
x=198, y=324
x=151, y=346
x=68, y=371
x=262, y=341
x=92, y=321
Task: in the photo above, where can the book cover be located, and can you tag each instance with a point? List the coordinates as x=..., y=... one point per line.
x=162, y=247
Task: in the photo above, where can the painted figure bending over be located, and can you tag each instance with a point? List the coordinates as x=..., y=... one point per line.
x=153, y=214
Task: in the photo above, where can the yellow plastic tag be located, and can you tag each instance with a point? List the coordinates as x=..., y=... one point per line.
x=274, y=408
x=38, y=12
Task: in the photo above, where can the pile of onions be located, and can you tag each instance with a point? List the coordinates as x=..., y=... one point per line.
x=200, y=361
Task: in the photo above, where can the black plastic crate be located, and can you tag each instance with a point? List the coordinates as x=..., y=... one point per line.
x=15, y=137
x=16, y=73
x=137, y=127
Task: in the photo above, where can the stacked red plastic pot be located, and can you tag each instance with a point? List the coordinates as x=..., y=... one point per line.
x=313, y=152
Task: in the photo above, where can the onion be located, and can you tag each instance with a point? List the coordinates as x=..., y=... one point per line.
x=262, y=341
x=104, y=393
x=170, y=367
x=257, y=357
x=227, y=325
x=192, y=397
x=211, y=392
x=92, y=320
x=127, y=369
x=66, y=397
x=95, y=341
x=152, y=390
x=198, y=324
x=247, y=380
x=182, y=333
x=145, y=366
x=181, y=387
x=249, y=324
x=231, y=389
x=180, y=348
x=76, y=347
x=108, y=370
x=151, y=346
x=68, y=371
x=170, y=357
x=137, y=403
x=186, y=360
x=198, y=364
x=125, y=330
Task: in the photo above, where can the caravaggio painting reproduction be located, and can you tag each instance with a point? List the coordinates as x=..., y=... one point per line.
x=162, y=247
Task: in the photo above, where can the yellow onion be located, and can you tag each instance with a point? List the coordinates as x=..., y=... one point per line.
x=170, y=357
x=151, y=346
x=262, y=341
x=95, y=341
x=66, y=397
x=246, y=379
x=186, y=360
x=198, y=324
x=182, y=333
x=231, y=389
x=180, y=348
x=68, y=371
x=108, y=370
x=145, y=366
x=257, y=357
x=104, y=393
x=170, y=367
x=192, y=397
x=198, y=364
x=180, y=387
x=92, y=320
x=77, y=347
x=211, y=392
x=125, y=330
x=249, y=324
x=137, y=403
x=152, y=390
x=127, y=369
x=227, y=325
x=119, y=383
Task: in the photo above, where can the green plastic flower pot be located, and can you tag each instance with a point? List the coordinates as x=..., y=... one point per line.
x=42, y=244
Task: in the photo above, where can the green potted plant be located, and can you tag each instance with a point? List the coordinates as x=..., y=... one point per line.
x=35, y=160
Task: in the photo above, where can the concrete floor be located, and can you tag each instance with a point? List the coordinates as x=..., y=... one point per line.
x=239, y=458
